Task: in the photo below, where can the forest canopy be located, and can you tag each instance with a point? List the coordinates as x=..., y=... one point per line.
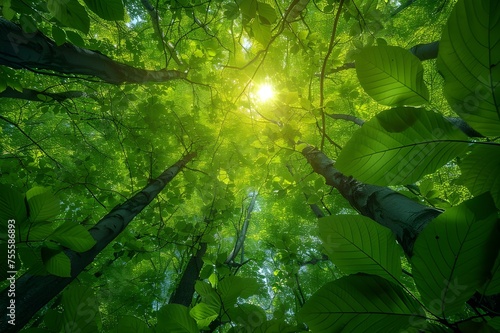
x=250, y=166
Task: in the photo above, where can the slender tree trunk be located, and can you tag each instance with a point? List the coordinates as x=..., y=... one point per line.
x=183, y=294
x=20, y=50
x=40, y=96
x=405, y=217
x=33, y=292
x=243, y=232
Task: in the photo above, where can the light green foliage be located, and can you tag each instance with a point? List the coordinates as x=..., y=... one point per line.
x=392, y=76
x=357, y=245
x=469, y=54
x=399, y=146
x=66, y=163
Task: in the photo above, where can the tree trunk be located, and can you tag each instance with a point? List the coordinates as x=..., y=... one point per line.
x=33, y=292
x=183, y=294
x=36, y=51
x=405, y=217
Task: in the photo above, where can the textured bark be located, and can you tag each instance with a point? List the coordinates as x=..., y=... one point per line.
x=406, y=218
x=40, y=96
x=183, y=294
x=33, y=292
x=19, y=50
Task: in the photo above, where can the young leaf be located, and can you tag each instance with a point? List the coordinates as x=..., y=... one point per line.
x=356, y=244
x=454, y=254
x=70, y=13
x=111, y=10
x=81, y=310
x=42, y=204
x=175, y=318
x=73, y=236
x=392, y=76
x=469, y=57
x=481, y=171
x=56, y=262
x=399, y=146
x=360, y=303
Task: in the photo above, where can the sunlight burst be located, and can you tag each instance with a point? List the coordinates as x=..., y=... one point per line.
x=265, y=92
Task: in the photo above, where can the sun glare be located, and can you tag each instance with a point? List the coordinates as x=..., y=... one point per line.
x=265, y=92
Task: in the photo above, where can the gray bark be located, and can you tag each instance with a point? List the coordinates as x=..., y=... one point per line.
x=33, y=292
x=403, y=216
x=19, y=50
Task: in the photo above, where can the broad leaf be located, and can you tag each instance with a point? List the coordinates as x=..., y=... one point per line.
x=204, y=314
x=399, y=146
x=356, y=244
x=56, y=262
x=175, y=318
x=469, y=57
x=492, y=285
x=73, y=236
x=42, y=204
x=81, y=310
x=12, y=206
x=392, y=76
x=481, y=171
x=232, y=287
x=360, y=303
x=70, y=13
x=111, y=10
x=454, y=254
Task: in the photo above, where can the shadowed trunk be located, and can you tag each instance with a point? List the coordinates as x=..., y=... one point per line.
x=33, y=292
x=20, y=50
x=405, y=217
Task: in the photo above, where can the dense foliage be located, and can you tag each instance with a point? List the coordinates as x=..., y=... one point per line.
x=335, y=165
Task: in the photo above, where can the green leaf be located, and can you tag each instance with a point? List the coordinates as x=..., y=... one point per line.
x=175, y=318
x=360, y=303
x=392, y=76
x=70, y=13
x=73, y=236
x=481, y=171
x=204, y=314
x=469, y=58
x=266, y=12
x=111, y=10
x=131, y=324
x=42, y=204
x=56, y=262
x=58, y=35
x=261, y=32
x=356, y=244
x=246, y=315
x=81, y=310
x=399, y=146
x=454, y=254
x=75, y=38
x=492, y=285
x=232, y=287
x=12, y=206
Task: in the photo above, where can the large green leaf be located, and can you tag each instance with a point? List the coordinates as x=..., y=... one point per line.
x=360, y=303
x=492, y=285
x=111, y=10
x=392, y=76
x=70, y=13
x=232, y=287
x=399, y=146
x=81, y=310
x=42, y=204
x=73, y=236
x=12, y=206
x=469, y=57
x=56, y=262
x=481, y=171
x=175, y=318
x=356, y=244
x=204, y=314
x=454, y=254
